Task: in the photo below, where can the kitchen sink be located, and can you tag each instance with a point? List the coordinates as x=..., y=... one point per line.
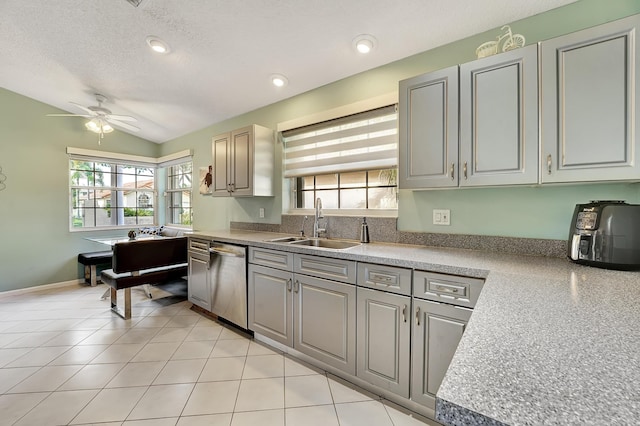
x=329, y=244
x=286, y=239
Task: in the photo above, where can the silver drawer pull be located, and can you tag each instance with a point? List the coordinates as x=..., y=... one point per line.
x=418, y=316
x=289, y=285
x=404, y=313
x=447, y=289
x=296, y=286
x=381, y=279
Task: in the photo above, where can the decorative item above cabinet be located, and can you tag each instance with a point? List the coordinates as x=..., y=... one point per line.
x=243, y=162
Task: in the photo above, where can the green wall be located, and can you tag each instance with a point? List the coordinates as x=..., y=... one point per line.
x=36, y=244
x=536, y=212
x=37, y=247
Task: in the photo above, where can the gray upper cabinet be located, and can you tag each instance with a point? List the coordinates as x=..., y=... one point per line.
x=499, y=119
x=243, y=162
x=589, y=112
x=428, y=130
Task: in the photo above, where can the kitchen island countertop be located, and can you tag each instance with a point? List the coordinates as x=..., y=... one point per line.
x=549, y=342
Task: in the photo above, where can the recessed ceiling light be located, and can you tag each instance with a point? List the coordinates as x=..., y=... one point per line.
x=279, y=80
x=364, y=43
x=157, y=45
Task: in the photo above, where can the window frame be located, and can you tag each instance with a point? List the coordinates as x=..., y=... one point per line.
x=115, y=165
x=170, y=190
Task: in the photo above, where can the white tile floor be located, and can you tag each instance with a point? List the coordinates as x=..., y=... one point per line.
x=66, y=359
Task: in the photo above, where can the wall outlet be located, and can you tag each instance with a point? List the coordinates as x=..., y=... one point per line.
x=441, y=217
x=261, y=213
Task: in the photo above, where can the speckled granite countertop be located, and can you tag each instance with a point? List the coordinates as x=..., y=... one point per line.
x=549, y=342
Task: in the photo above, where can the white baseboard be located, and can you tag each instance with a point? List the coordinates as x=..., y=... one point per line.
x=4, y=294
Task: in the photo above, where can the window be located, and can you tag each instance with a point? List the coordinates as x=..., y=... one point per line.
x=350, y=162
x=179, y=208
x=109, y=194
x=371, y=189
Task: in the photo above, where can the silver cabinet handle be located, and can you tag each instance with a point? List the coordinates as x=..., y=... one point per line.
x=296, y=287
x=453, y=169
x=226, y=252
x=418, y=316
x=465, y=170
x=289, y=285
x=233, y=187
x=404, y=313
x=549, y=163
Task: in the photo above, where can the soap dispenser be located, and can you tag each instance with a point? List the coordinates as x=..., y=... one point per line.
x=364, y=231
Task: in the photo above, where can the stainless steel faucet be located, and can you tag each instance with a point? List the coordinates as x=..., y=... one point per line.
x=318, y=215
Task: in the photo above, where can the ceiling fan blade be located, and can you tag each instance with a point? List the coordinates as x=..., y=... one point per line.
x=122, y=117
x=84, y=108
x=69, y=115
x=123, y=125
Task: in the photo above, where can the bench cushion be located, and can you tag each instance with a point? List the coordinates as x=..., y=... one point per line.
x=95, y=258
x=148, y=276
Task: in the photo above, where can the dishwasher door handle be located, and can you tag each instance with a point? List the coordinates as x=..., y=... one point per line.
x=223, y=252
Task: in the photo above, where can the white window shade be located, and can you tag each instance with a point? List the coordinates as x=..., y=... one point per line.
x=364, y=141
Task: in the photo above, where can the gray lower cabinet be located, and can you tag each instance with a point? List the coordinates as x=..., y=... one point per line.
x=314, y=315
x=590, y=90
x=199, y=287
x=437, y=330
x=199, y=284
x=325, y=321
x=383, y=339
x=499, y=119
x=270, y=303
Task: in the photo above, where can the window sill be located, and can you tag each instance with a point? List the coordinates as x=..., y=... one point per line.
x=344, y=212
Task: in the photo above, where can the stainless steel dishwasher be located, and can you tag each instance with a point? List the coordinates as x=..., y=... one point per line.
x=228, y=273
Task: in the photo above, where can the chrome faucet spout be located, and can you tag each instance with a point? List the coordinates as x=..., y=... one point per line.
x=318, y=215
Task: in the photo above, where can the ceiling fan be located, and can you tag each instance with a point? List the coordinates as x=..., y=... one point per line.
x=101, y=118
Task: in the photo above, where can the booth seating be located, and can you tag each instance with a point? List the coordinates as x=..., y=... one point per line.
x=91, y=261
x=152, y=261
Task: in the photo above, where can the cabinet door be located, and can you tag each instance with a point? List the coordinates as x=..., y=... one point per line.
x=428, y=130
x=242, y=161
x=221, y=153
x=437, y=330
x=589, y=104
x=499, y=119
x=325, y=321
x=199, y=288
x=270, y=303
x=383, y=340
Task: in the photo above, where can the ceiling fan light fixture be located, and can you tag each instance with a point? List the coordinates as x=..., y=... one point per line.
x=364, y=43
x=158, y=45
x=98, y=125
x=279, y=80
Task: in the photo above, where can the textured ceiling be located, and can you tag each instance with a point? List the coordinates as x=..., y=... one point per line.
x=223, y=51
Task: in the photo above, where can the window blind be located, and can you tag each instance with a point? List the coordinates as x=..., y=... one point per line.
x=363, y=141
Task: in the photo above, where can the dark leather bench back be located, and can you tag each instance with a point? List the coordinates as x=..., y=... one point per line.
x=145, y=254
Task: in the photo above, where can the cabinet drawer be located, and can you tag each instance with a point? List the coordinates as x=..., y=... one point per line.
x=271, y=258
x=462, y=291
x=323, y=267
x=199, y=246
x=386, y=278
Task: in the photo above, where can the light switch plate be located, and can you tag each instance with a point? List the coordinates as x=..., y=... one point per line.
x=261, y=212
x=441, y=217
